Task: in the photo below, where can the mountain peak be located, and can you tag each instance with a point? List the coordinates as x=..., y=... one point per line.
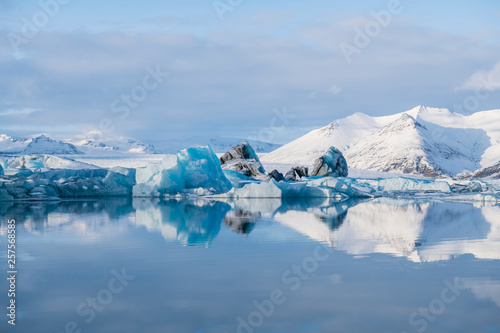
x=403, y=123
x=424, y=140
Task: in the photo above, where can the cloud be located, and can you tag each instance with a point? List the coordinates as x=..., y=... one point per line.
x=16, y=112
x=335, y=89
x=484, y=80
x=228, y=81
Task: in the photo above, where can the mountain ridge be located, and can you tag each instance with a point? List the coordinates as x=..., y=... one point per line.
x=448, y=143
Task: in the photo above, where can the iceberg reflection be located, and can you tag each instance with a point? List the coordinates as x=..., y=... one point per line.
x=191, y=222
x=418, y=230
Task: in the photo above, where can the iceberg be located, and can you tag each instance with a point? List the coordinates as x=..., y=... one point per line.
x=191, y=171
x=487, y=199
x=331, y=164
x=54, y=184
x=43, y=161
x=296, y=173
x=243, y=159
x=403, y=184
x=324, y=187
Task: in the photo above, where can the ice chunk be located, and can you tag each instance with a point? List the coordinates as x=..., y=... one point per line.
x=53, y=184
x=403, y=184
x=276, y=175
x=243, y=159
x=192, y=170
x=331, y=164
x=114, y=184
x=487, y=198
x=338, y=185
x=315, y=188
x=296, y=173
x=237, y=179
x=4, y=194
x=39, y=161
x=1, y=169
x=257, y=190
x=467, y=186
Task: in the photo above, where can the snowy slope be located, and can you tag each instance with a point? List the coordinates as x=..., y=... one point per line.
x=407, y=146
x=90, y=144
x=96, y=144
x=10, y=145
x=426, y=141
x=45, y=145
x=37, y=145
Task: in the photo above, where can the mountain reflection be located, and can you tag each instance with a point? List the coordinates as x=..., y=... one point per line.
x=418, y=230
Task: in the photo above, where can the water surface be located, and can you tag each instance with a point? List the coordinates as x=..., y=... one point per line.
x=256, y=265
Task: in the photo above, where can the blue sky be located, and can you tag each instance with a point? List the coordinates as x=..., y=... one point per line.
x=225, y=77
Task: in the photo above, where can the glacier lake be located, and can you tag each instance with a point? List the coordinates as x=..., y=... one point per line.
x=256, y=265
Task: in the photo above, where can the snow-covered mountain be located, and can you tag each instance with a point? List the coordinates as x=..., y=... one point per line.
x=37, y=145
x=96, y=144
x=42, y=144
x=218, y=144
x=426, y=141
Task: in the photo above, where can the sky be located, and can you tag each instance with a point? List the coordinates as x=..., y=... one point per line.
x=267, y=70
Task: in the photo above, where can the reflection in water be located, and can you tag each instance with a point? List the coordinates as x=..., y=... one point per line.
x=68, y=250
x=418, y=230
x=92, y=216
x=241, y=221
x=483, y=288
x=190, y=222
x=421, y=231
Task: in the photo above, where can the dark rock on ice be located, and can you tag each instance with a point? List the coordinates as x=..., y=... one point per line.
x=331, y=164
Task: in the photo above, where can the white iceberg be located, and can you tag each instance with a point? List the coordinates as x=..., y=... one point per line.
x=324, y=187
x=403, y=184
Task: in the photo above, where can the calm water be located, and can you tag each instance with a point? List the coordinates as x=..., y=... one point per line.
x=254, y=266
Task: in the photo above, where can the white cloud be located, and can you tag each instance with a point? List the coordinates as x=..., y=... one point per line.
x=484, y=80
x=335, y=89
x=17, y=112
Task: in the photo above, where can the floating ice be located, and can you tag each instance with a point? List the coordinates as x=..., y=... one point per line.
x=243, y=159
x=403, y=184
x=324, y=187
x=192, y=170
x=63, y=183
x=41, y=161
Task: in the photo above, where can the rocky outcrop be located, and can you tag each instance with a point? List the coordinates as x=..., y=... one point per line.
x=331, y=164
x=489, y=172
